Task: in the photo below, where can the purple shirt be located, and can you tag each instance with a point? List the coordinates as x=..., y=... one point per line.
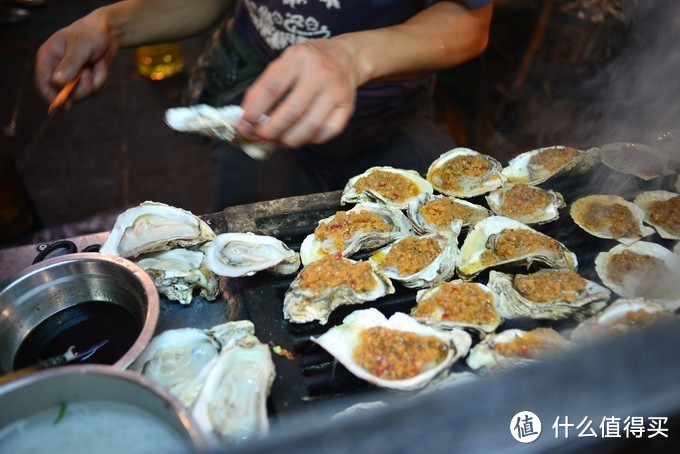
x=272, y=25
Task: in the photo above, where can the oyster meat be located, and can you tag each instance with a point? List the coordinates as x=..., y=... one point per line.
x=610, y=217
x=152, y=227
x=662, y=211
x=498, y=240
x=537, y=166
x=642, y=269
x=525, y=203
x=546, y=294
x=515, y=347
x=177, y=272
x=396, y=353
x=458, y=304
x=420, y=261
x=331, y=282
x=637, y=159
x=465, y=173
x=244, y=254
x=435, y=213
x=216, y=123
x=393, y=187
x=366, y=226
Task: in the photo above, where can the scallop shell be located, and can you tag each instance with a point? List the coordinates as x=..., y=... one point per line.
x=645, y=201
x=637, y=159
x=341, y=341
x=542, y=214
x=580, y=209
x=521, y=169
x=483, y=237
x=399, y=177
x=471, y=186
x=440, y=319
x=512, y=304
x=663, y=286
x=422, y=226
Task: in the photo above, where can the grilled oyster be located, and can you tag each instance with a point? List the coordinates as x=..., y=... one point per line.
x=435, y=213
x=642, y=269
x=177, y=272
x=620, y=317
x=420, y=261
x=393, y=187
x=537, y=166
x=152, y=227
x=331, y=282
x=498, y=240
x=396, y=353
x=458, y=304
x=611, y=217
x=515, y=347
x=364, y=227
x=525, y=203
x=662, y=211
x=244, y=254
x=636, y=159
x=465, y=173
x=546, y=294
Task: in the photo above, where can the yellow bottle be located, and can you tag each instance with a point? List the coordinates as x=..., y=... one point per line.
x=159, y=61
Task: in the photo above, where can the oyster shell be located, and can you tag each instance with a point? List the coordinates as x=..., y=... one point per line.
x=525, y=203
x=610, y=217
x=177, y=272
x=244, y=254
x=498, y=240
x=537, y=166
x=391, y=186
x=331, y=282
x=458, y=304
x=620, y=317
x=364, y=227
x=546, y=294
x=662, y=211
x=637, y=159
x=152, y=227
x=642, y=269
x=420, y=261
x=435, y=213
x=434, y=350
x=515, y=347
x=465, y=173
x=216, y=123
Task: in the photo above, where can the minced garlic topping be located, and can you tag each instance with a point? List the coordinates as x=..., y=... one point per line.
x=666, y=214
x=513, y=243
x=346, y=224
x=391, y=185
x=412, y=254
x=550, y=285
x=554, y=158
x=637, y=271
x=532, y=344
x=523, y=199
x=461, y=171
x=615, y=218
x=397, y=355
x=463, y=302
x=442, y=211
x=333, y=271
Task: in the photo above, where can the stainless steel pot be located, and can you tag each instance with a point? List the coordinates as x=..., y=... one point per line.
x=55, y=290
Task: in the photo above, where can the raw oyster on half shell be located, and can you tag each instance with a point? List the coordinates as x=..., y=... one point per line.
x=537, y=166
x=367, y=226
x=662, y=211
x=458, y=304
x=465, y=173
x=498, y=240
x=435, y=213
x=396, y=353
x=330, y=282
x=546, y=294
x=244, y=254
x=525, y=203
x=391, y=186
x=177, y=272
x=610, y=217
x=152, y=227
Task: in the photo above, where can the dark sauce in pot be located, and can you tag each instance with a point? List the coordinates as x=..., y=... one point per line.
x=83, y=326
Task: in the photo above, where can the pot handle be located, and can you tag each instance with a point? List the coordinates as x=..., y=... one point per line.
x=69, y=246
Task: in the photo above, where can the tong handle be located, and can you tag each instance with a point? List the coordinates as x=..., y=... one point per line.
x=63, y=94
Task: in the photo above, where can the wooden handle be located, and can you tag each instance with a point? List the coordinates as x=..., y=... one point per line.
x=63, y=95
